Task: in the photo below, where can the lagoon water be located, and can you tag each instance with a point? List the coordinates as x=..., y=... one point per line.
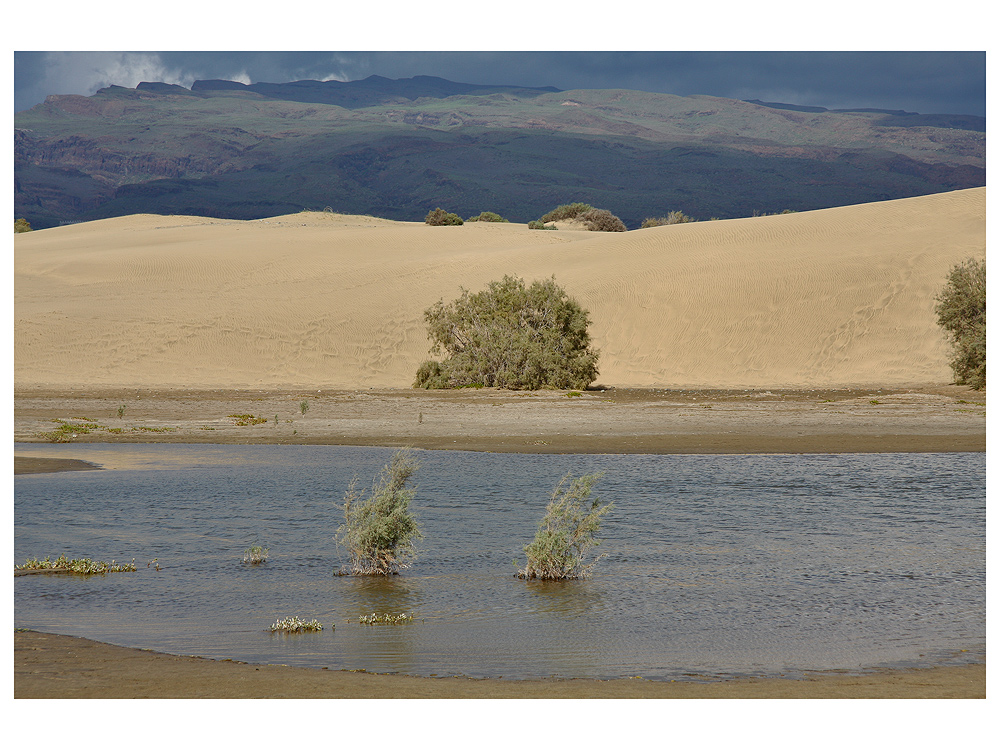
x=716, y=565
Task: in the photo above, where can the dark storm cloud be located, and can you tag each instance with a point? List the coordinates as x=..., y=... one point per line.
x=926, y=82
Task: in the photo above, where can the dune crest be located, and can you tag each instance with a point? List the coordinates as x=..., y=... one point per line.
x=837, y=297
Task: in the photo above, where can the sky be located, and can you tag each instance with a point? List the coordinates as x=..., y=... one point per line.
x=860, y=53
x=929, y=82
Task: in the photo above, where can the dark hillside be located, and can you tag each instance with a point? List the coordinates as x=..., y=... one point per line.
x=400, y=148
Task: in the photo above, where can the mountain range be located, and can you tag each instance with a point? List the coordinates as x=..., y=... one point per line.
x=399, y=148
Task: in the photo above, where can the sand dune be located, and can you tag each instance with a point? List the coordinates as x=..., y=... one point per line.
x=838, y=297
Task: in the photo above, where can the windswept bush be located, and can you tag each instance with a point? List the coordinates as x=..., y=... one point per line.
x=379, y=531
x=566, y=211
x=21, y=225
x=602, y=220
x=488, y=216
x=674, y=217
x=510, y=336
x=566, y=532
x=441, y=218
x=961, y=311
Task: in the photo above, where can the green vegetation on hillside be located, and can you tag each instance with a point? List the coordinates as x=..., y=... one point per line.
x=239, y=154
x=510, y=336
x=961, y=311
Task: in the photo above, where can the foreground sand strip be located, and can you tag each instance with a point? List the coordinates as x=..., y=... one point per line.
x=58, y=666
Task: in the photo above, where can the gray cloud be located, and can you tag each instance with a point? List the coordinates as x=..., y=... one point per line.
x=926, y=82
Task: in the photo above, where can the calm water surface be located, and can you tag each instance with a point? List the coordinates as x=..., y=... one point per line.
x=716, y=566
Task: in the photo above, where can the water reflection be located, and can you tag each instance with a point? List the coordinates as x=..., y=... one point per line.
x=563, y=599
x=366, y=595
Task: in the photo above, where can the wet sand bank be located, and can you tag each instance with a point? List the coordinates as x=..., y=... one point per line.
x=58, y=666
x=922, y=418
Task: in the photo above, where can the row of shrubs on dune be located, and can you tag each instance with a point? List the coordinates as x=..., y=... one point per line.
x=441, y=218
x=595, y=219
x=592, y=219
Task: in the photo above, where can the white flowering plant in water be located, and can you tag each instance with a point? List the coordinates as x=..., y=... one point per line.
x=295, y=625
x=385, y=619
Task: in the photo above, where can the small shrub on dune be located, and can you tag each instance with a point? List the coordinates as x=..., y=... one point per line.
x=961, y=311
x=489, y=216
x=21, y=225
x=379, y=531
x=441, y=218
x=567, y=532
x=602, y=220
x=539, y=224
x=566, y=211
x=674, y=217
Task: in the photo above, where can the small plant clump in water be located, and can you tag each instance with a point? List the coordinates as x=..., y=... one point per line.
x=255, y=555
x=384, y=619
x=379, y=531
x=295, y=625
x=84, y=566
x=566, y=532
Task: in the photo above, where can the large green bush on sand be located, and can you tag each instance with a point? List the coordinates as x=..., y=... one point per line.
x=510, y=336
x=961, y=311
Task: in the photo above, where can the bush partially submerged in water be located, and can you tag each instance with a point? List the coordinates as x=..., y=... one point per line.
x=510, y=336
x=379, y=531
x=255, y=555
x=567, y=532
x=961, y=311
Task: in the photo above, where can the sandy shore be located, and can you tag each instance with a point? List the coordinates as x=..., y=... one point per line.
x=932, y=418
x=58, y=666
